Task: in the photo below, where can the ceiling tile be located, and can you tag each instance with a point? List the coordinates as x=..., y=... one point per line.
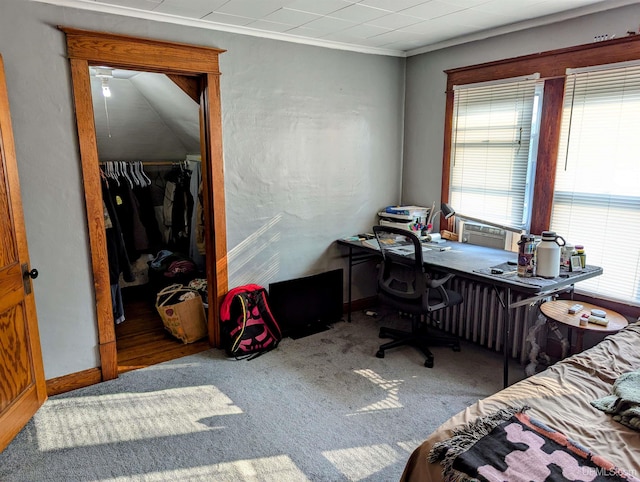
x=394, y=21
x=482, y=20
x=393, y=5
x=528, y=9
x=227, y=19
x=392, y=36
x=341, y=37
x=251, y=8
x=431, y=10
x=322, y=8
x=365, y=31
x=191, y=9
x=405, y=44
x=306, y=32
x=329, y=24
x=140, y=4
x=269, y=26
x=505, y=7
x=291, y=17
x=474, y=3
x=440, y=28
x=358, y=13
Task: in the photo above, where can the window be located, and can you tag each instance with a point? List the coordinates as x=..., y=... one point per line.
x=493, y=148
x=597, y=187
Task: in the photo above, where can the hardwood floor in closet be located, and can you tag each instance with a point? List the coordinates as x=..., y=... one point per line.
x=141, y=339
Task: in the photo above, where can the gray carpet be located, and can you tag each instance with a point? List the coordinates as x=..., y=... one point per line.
x=320, y=408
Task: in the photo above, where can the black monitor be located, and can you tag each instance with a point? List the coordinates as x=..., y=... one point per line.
x=305, y=306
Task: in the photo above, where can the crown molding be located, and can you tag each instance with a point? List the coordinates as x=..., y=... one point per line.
x=163, y=17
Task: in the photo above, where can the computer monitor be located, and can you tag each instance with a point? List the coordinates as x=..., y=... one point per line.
x=308, y=305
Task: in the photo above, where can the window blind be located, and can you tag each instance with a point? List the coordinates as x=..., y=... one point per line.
x=597, y=187
x=491, y=148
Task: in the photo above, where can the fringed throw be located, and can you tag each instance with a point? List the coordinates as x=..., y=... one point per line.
x=510, y=445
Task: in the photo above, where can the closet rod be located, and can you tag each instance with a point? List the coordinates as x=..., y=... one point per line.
x=150, y=163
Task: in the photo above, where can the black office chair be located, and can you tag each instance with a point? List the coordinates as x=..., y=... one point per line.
x=406, y=286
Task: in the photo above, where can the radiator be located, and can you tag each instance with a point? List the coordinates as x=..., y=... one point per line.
x=480, y=317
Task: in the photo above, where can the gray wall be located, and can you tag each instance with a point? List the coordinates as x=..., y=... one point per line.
x=426, y=84
x=312, y=147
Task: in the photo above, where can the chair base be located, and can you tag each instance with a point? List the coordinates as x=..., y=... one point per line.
x=418, y=338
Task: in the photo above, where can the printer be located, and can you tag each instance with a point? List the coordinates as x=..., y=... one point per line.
x=411, y=218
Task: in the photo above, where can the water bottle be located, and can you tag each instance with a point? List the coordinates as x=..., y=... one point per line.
x=548, y=255
x=583, y=256
x=526, y=251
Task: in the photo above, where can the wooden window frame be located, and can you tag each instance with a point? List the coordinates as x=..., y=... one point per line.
x=551, y=65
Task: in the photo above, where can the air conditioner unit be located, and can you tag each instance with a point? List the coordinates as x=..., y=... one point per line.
x=483, y=235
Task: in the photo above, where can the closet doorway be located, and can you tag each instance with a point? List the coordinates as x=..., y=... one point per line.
x=194, y=71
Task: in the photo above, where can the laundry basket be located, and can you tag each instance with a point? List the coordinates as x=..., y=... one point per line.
x=182, y=312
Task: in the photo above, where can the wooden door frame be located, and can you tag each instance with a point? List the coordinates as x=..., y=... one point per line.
x=197, y=69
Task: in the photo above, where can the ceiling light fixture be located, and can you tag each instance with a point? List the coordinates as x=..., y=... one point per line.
x=104, y=74
x=106, y=91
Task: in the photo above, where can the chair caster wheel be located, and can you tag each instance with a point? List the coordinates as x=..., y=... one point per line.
x=456, y=347
x=428, y=363
x=380, y=354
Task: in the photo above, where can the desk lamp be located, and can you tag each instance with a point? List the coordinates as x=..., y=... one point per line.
x=446, y=210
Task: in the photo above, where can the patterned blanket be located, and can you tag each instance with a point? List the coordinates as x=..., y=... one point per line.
x=511, y=446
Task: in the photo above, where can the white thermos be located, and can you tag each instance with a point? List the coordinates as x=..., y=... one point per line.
x=548, y=255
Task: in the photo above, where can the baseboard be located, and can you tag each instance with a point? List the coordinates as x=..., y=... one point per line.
x=361, y=304
x=66, y=383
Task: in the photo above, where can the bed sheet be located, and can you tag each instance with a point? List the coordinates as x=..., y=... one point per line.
x=560, y=396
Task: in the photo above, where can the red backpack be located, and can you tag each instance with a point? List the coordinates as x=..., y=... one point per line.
x=247, y=324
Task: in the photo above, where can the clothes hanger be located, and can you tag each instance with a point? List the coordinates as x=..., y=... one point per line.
x=133, y=170
x=112, y=173
x=131, y=167
x=144, y=174
x=123, y=172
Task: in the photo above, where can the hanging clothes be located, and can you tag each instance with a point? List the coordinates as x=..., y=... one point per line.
x=130, y=190
x=118, y=259
x=126, y=209
x=146, y=213
x=178, y=208
x=116, y=250
x=196, y=233
x=199, y=227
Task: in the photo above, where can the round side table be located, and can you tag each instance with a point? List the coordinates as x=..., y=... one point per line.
x=558, y=311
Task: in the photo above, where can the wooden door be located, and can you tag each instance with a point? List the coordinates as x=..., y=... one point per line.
x=22, y=384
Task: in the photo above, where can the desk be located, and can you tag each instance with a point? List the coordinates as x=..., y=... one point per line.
x=557, y=311
x=475, y=263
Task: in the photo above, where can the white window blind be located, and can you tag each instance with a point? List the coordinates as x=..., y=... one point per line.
x=491, y=148
x=597, y=188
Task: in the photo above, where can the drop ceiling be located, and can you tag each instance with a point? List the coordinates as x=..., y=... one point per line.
x=385, y=27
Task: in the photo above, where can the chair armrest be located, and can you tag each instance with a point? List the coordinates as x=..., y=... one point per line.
x=435, y=283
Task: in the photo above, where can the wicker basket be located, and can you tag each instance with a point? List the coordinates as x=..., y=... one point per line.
x=183, y=318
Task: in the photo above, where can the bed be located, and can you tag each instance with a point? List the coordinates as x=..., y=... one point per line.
x=560, y=398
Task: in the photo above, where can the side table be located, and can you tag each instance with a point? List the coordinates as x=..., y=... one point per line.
x=558, y=311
